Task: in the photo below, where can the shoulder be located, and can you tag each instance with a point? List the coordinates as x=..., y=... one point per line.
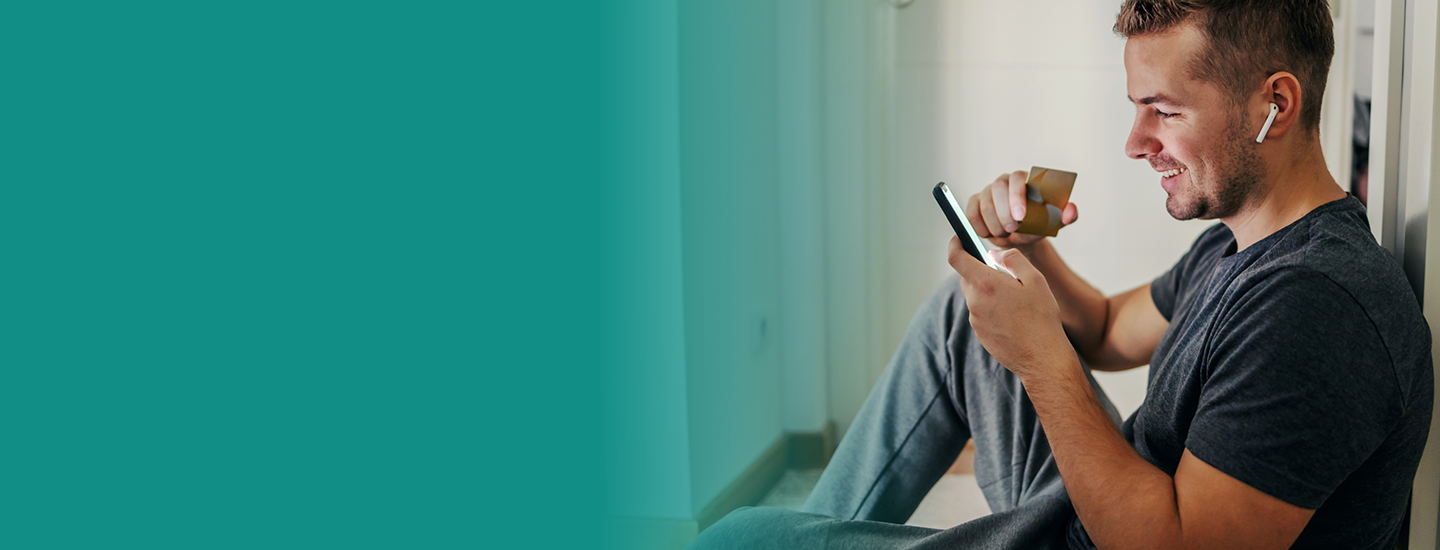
x=1292, y=296
x=1332, y=252
x=1327, y=283
x=1295, y=298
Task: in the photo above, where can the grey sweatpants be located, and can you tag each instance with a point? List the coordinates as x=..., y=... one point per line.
x=940, y=389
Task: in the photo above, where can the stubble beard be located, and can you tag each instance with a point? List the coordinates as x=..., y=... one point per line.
x=1221, y=190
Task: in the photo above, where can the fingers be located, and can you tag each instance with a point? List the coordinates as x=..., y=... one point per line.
x=958, y=255
x=1019, y=266
x=962, y=261
x=1017, y=194
x=972, y=211
x=1002, y=211
x=987, y=212
x=1069, y=215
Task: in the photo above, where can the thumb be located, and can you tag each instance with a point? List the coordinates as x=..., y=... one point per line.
x=961, y=260
x=1018, y=265
x=1069, y=215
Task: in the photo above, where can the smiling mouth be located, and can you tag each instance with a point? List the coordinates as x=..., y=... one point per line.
x=1172, y=173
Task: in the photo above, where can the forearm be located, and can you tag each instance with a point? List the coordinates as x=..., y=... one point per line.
x=1122, y=499
x=1083, y=309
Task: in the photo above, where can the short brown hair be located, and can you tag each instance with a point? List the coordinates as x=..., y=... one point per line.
x=1247, y=41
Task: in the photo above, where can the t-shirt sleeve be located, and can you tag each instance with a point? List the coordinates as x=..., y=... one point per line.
x=1300, y=391
x=1165, y=290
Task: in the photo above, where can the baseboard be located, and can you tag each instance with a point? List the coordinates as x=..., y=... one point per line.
x=802, y=450
x=750, y=486
x=810, y=450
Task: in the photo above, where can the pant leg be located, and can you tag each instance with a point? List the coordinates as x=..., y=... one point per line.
x=909, y=430
x=1038, y=525
x=1013, y=460
x=940, y=388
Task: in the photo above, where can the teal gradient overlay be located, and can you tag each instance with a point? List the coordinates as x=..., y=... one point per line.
x=364, y=275
x=731, y=237
x=302, y=275
x=694, y=396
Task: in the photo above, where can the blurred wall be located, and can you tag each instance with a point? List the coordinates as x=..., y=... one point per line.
x=729, y=230
x=799, y=133
x=696, y=397
x=856, y=37
x=752, y=143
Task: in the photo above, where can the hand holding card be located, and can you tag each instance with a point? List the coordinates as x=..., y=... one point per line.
x=1047, y=193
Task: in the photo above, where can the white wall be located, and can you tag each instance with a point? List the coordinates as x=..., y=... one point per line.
x=729, y=231
x=696, y=398
x=804, y=377
x=852, y=146
x=1416, y=127
x=1362, y=44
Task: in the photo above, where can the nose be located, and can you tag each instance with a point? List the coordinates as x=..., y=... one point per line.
x=1142, y=142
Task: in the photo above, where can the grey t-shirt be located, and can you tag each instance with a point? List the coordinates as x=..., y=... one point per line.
x=1299, y=366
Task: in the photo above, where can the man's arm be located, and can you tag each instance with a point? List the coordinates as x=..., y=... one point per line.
x=1126, y=502
x=1123, y=500
x=1115, y=333
x=1112, y=334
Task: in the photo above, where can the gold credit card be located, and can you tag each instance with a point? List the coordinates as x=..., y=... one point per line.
x=1047, y=193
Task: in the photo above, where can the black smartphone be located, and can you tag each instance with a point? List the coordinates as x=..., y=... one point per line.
x=955, y=213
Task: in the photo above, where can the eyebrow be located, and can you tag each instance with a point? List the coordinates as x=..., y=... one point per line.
x=1157, y=98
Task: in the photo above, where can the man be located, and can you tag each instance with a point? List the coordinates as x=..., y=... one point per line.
x=1290, y=387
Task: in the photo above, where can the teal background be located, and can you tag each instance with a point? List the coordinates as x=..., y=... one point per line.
x=421, y=275
x=300, y=275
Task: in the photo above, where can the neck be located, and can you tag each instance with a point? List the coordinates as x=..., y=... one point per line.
x=1293, y=186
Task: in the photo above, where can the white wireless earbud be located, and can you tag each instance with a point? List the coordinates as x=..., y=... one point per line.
x=1268, y=121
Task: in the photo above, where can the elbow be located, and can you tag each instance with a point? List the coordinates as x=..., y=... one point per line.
x=1093, y=352
x=1168, y=538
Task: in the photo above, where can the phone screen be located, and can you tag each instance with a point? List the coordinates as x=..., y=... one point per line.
x=961, y=224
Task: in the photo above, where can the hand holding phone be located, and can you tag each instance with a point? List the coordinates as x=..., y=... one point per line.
x=968, y=238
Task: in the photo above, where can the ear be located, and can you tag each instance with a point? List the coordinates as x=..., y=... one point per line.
x=1282, y=89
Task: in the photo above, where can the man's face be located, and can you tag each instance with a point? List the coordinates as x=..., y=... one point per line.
x=1187, y=129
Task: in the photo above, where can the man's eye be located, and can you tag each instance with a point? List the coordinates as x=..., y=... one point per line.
x=1164, y=114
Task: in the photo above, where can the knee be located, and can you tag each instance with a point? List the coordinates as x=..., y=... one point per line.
x=947, y=300
x=943, y=312
x=729, y=532
x=949, y=290
x=743, y=528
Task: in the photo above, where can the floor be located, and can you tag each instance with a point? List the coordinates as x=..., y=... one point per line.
x=955, y=499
